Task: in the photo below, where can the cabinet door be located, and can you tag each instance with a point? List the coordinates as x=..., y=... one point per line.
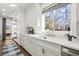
x=22, y=40
x=47, y=48
x=26, y=43
x=51, y=52
x=31, y=46
x=36, y=14
x=27, y=16
x=51, y=49
x=38, y=48
x=32, y=15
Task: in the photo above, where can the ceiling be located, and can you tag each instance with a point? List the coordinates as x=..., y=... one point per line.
x=10, y=10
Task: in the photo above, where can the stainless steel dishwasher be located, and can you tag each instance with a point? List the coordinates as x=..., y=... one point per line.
x=69, y=52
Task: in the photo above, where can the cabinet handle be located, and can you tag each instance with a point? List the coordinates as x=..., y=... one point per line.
x=43, y=51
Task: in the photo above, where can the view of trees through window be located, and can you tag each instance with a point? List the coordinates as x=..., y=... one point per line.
x=58, y=19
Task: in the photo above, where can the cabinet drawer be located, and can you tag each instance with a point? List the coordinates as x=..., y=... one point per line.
x=49, y=49
x=51, y=52
x=51, y=45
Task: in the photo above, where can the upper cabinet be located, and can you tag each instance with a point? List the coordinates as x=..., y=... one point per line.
x=33, y=15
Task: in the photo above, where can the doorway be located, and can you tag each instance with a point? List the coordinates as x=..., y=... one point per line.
x=8, y=28
x=4, y=29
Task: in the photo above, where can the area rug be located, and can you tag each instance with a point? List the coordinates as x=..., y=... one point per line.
x=11, y=50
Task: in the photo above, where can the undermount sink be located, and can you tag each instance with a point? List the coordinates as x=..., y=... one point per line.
x=44, y=37
x=40, y=36
x=48, y=37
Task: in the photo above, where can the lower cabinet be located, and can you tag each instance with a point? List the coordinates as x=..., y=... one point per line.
x=46, y=48
x=31, y=46
x=26, y=43
x=50, y=52
x=38, y=47
x=22, y=40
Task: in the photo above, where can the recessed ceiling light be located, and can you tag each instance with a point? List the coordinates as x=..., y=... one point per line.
x=3, y=9
x=12, y=5
x=3, y=13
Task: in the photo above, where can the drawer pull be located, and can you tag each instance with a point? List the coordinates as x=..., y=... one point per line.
x=43, y=51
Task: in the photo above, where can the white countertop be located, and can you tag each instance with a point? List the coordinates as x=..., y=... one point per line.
x=61, y=40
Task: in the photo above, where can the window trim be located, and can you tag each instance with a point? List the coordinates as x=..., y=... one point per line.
x=44, y=11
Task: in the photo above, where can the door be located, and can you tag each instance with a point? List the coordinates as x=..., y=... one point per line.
x=4, y=29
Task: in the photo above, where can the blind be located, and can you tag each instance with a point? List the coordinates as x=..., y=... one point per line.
x=53, y=7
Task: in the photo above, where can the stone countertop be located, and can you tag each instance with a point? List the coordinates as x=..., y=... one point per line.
x=60, y=40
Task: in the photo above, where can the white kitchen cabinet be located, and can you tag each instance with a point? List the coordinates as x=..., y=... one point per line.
x=27, y=17
x=22, y=40
x=27, y=43
x=32, y=15
x=31, y=46
x=47, y=48
x=22, y=19
x=38, y=50
x=38, y=47
x=43, y=48
x=49, y=51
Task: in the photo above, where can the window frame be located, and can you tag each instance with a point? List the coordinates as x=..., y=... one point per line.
x=55, y=31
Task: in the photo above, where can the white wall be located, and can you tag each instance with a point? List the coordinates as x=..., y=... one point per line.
x=1, y=28
x=77, y=20
x=73, y=19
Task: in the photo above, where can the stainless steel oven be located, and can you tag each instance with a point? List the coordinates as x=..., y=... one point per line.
x=69, y=52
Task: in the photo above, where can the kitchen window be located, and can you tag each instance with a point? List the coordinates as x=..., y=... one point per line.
x=58, y=19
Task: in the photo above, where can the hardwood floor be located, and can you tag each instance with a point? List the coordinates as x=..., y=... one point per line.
x=10, y=42
x=0, y=48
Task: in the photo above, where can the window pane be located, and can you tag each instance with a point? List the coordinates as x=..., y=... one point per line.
x=58, y=19
x=49, y=21
x=62, y=18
